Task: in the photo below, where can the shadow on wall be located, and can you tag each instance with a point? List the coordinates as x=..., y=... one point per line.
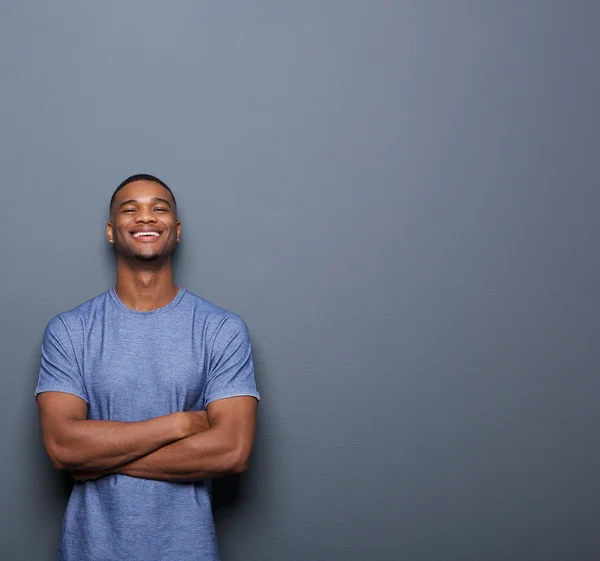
x=226, y=492
x=64, y=484
x=230, y=492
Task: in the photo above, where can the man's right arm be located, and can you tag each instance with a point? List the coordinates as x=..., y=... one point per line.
x=77, y=444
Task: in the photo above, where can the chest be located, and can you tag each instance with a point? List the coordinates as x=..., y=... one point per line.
x=139, y=372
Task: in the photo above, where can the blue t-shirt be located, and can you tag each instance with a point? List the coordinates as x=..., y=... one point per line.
x=133, y=366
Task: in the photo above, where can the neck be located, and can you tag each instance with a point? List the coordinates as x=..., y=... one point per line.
x=145, y=286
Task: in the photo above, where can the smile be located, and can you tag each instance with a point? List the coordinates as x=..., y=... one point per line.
x=146, y=234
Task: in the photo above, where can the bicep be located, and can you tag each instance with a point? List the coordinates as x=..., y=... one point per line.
x=57, y=410
x=236, y=418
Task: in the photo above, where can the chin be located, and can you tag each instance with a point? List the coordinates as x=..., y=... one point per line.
x=152, y=257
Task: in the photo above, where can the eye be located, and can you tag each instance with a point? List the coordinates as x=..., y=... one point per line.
x=129, y=210
x=161, y=209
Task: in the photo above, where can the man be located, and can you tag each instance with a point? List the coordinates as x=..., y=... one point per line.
x=145, y=393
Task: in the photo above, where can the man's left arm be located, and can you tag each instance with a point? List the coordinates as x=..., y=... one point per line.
x=221, y=450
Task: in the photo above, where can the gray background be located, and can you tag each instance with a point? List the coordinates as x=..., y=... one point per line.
x=401, y=200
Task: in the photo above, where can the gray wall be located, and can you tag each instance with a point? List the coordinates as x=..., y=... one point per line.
x=400, y=198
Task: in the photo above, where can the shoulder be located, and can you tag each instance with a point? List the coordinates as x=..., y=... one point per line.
x=211, y=311
x=219, y=320
x=76, y=317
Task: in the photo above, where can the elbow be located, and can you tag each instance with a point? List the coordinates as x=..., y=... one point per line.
x=58, y=465
x=239, y=462
x=231, y=462
x=57, y=459
x=64, y=445
x=239, y=467
x=61, y=458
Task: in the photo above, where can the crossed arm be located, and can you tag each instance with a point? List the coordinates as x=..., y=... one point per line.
x=183, y=446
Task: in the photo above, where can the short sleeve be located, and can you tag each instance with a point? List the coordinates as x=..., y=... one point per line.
x=231, y=368
x=59, y=371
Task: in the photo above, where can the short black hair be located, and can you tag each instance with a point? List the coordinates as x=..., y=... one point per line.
x=140, y=177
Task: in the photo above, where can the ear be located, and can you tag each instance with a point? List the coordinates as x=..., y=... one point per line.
x=110, y=233
x=178, y=230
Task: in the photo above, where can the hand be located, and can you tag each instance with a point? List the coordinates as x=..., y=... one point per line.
x=196, y=422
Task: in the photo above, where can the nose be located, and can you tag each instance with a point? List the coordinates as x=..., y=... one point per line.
x=145, y=215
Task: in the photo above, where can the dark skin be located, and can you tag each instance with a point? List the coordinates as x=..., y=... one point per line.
x=182, y=446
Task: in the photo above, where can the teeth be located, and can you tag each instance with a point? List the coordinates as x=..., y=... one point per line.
x=138, y=234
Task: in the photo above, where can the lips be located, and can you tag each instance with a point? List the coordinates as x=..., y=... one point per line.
x=146, y=235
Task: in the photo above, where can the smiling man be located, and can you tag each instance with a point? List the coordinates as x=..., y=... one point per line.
x=145, y=393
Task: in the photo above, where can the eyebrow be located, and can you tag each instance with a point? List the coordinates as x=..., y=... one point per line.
x=153, y=199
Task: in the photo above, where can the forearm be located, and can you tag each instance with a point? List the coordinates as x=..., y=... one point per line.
x=102, y=445
x=202, y=456
x=222, y=446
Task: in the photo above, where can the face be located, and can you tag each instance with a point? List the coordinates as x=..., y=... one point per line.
x=144, y=222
